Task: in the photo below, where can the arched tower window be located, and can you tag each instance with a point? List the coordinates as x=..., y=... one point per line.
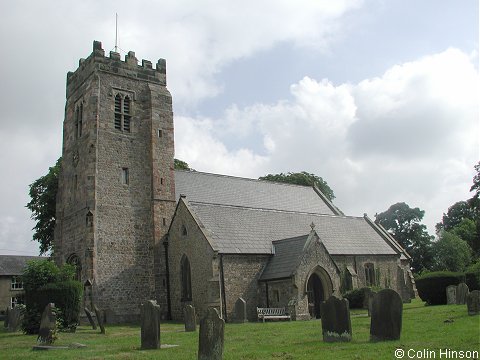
x=369, y=274
x=78, y=120
x=74, y=260
x=186, y=279
x=123, y=112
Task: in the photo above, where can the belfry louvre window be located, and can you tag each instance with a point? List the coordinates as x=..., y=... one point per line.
x=123, y=112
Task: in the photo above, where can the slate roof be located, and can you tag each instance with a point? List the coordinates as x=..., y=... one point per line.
x=235, y=191
x=285, y=261
x=14, y=264
x=242, y=230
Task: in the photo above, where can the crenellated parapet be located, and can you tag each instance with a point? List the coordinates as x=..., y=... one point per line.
x=130, y=67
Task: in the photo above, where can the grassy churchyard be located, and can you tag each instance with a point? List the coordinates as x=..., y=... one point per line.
x=428, y=330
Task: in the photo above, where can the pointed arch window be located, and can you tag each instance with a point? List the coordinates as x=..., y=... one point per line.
x=123, y=112
x=370, y=274
x=78, y=120
x=74, y=260
x=186, y=277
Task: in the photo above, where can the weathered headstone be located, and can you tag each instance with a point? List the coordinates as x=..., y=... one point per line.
x=336, y=325
x=90, y=319
x=211, y=336
x=240, y=310
x=473, y=302
x=48, y=325
x=190, y=318
x=99, y=317
x=462, y=291
x=386, y=322
x=451, y=294
x=150, y=318
x=7, y=313
x=14, y=319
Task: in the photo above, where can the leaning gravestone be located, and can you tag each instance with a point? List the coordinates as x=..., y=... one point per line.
x=190, y=318
x=90, y=319
x=386, y=322
x=462, y=291
x=98, y=314
x=211, y=336
x=150, y=317
x=48, y=325
x=473, y=302
x=336, y=325
x=451, y=294
x=240, y=310
x=14, y=319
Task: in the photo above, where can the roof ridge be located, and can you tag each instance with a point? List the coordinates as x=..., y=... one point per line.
x=243, y=178
x=193, y=202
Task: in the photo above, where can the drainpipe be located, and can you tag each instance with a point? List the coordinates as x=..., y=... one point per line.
x=167, y=275
x=222, y=280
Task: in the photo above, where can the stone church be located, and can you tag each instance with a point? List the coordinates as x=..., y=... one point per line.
x=137, y=229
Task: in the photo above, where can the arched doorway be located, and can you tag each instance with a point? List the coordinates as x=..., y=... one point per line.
x=318, y=288
x=315, y=295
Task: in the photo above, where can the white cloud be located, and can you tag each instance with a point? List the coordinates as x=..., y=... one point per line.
x=410, y=135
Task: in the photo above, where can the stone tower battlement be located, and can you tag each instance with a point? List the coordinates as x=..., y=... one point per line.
x=113, y=64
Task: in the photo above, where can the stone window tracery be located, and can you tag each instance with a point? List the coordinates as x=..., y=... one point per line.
x=370, y=279
x=123, y=112
x=186, y=278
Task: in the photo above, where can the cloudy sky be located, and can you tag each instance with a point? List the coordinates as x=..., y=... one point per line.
x=378, y=97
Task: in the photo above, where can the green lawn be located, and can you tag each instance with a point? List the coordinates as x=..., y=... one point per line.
x=423, y=328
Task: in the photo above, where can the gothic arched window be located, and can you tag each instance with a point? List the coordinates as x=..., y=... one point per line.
x=123, y=113
x=74, y=260
x=78, y=120
x=369, y=274
x=186, y=277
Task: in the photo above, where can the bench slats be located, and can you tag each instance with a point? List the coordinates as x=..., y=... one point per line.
x=272, y=313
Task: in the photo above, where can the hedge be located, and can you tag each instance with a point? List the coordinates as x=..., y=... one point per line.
x=432, y=286
x=355, y=297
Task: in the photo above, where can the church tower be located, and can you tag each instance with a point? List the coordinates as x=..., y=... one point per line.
x=116, y=192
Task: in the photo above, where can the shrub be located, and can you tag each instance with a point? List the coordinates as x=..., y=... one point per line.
x=472, y=276
x=44, y=283
x=432, y=286
x=66, y=296
x=355, y=297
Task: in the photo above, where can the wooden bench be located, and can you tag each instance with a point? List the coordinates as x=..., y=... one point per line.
x=272, y=313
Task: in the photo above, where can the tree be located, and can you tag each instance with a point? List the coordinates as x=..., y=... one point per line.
x=43, y=194
x=404, y=224
x=454, y=216
x=468, y=232
x=451, y=253
x=302, y=178
x=181, y=165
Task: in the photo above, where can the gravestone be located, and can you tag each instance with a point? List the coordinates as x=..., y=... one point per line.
x=240, y=310
x=90, y=319
x=7, y=313
x=150, y=318
x=14, y=319
x=386, y=322
x=335, y=315
x=190, y=319
x=211, y=336
x=473, y=303
x=99, y=316
x=48, y=325
x=462, y=291
x=451, y=294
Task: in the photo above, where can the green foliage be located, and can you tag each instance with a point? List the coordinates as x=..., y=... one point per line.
x=44, y=282
x=66, y=296
x=451, y=253
x=467, y=230
x=43, y=194
x=432, y=286
x=181, y=165
x=472, y=276
x=404, y=223
x=356, y=297
x=456, y=213
x=302, y=178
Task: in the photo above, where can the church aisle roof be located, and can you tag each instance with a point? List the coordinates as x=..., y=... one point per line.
x=243, y=230
x=15, y=264
x=235, y=191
